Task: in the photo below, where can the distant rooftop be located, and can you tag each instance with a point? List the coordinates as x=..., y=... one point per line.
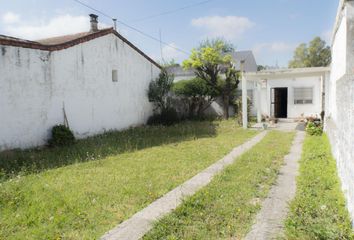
x=246, y=56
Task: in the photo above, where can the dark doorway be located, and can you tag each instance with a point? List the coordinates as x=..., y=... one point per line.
x=279, y=100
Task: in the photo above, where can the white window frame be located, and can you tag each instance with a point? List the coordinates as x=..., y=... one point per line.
x=303, y=100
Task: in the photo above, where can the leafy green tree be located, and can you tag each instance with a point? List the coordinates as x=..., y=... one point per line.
x=209, y=61
x=316, y=54
x=228, y=87
x=197, y=95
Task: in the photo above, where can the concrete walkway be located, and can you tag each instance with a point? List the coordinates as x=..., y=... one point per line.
x=269, y=221
x=140, y=223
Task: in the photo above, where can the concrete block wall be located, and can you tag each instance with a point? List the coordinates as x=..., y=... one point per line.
x=339, y=123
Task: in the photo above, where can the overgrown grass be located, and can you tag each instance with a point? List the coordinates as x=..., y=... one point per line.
x=15, y=162
x=318, y=210
x=226, y=207
x=84, y=200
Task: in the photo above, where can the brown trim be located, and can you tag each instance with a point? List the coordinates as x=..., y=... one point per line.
x=62, y=46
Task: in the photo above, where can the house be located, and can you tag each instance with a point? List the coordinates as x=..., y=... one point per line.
x=95, y=81
x=289, y=93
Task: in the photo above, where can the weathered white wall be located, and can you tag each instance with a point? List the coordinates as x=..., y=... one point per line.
x=294, y=110
x=35, y=85
x=339, y=123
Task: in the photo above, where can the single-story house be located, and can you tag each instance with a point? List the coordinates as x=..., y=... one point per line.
x=96, y=81
x=289, y=93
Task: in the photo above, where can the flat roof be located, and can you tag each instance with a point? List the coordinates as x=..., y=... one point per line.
x=287, y=72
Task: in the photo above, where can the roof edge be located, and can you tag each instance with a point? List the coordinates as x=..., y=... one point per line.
x=289, y=71
x=57, y=47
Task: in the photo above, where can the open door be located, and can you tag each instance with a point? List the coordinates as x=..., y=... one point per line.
x=279, y=102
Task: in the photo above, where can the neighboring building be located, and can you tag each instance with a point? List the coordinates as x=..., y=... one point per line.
x=339, y=123
x=289, y=93
x=96, y=80
x=216, y=107
x=250, y=65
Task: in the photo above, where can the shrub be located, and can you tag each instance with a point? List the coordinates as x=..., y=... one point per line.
x=314, y=129
x=61, y=136
x=167, y=117
x=196, y=94
x=159, y=89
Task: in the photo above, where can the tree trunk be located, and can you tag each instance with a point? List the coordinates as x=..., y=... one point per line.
x=226, y=107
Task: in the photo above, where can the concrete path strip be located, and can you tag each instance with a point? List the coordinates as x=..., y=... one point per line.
x=270, y=220
x=140, y=223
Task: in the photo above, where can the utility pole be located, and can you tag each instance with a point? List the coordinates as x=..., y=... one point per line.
x=162, y=59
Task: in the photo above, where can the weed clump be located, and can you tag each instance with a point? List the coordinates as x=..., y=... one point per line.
x=61, y=136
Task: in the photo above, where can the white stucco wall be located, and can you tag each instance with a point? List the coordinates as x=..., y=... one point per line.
x=339, y=123
x=295, y=110
x=35, y=85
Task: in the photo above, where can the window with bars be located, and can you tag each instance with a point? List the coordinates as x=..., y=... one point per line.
x=303, y=95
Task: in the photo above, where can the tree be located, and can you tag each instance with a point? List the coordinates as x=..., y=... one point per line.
x=159, y=90
x=197, y=95
x=209, y=60
x=228, y=88
x=317, y=54
x=261, y=67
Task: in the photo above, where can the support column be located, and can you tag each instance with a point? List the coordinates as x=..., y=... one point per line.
x=259, y=113
x=244, y=97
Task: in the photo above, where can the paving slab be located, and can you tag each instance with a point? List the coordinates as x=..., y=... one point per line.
x=269, y=221
x=139, y=224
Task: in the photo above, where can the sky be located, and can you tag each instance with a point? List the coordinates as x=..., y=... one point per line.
x=270, y=28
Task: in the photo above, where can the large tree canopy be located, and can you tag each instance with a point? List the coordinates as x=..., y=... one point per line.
x=315, y=54
x=211, y=59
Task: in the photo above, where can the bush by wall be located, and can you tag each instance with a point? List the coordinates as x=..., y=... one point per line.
x=61, y=136
x=314, y=129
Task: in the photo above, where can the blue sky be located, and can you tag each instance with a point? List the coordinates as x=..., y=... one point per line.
x=271, y=28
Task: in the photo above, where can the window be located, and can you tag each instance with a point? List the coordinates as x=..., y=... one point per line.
x=303, y=95
x=114, y=75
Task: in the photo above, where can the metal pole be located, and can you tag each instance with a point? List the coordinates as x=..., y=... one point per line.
x=259, y=114
x=244, y=97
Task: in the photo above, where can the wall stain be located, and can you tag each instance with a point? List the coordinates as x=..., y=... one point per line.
x=18, y=58
x=3, y=51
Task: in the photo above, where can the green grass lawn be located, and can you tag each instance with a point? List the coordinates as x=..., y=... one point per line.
x=106, y=179
x=318, y=210
x=226, y=207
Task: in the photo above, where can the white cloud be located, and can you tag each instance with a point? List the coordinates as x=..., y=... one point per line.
x=59, y=25
x=274, y=47
x=228, y=27
x=10, y=18
x=273, y=53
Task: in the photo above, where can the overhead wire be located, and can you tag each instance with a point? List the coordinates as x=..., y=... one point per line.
x=131, y=27
x=173, y=11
